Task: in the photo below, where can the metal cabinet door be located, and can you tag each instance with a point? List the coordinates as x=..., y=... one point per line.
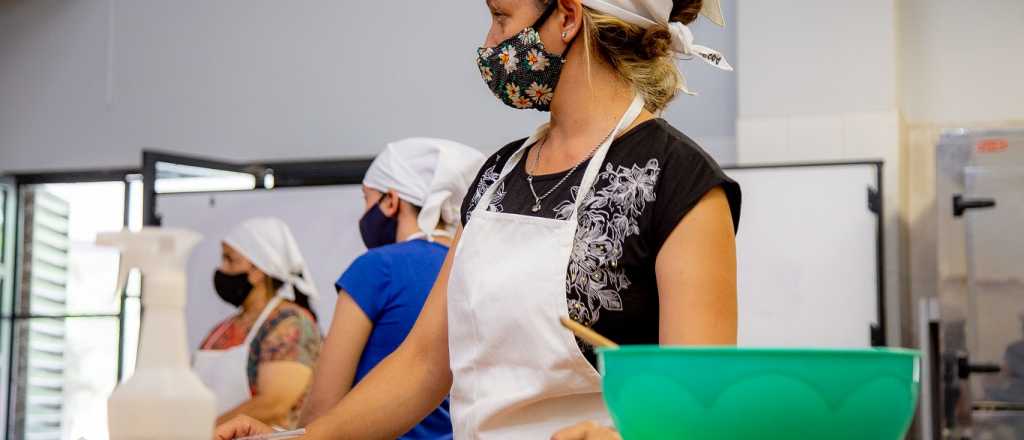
x=995, y=281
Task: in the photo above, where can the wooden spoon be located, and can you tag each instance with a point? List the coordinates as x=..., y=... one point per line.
x=586, y=334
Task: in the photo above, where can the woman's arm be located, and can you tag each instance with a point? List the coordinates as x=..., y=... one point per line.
x=339, y=358
x=696, y=271
x=281, y=385
x=398, y=393
x=406, y=386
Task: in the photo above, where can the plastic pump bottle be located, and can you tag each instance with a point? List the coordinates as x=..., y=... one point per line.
x=164, y=399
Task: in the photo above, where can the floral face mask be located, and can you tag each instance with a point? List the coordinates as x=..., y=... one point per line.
x=519, y=71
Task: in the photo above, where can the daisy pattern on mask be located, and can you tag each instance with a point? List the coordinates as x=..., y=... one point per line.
x=509, y=59
x=537, y=60
x=529, y=36
x=521, y=101
x=487, y=74
x=512, y=90
x=541, y=94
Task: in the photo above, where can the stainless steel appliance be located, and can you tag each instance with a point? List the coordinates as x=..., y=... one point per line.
x=971, y=324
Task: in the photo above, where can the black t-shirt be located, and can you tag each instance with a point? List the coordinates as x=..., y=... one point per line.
x=652, y=177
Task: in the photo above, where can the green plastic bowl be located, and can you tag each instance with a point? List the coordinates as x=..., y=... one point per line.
x=732, y=393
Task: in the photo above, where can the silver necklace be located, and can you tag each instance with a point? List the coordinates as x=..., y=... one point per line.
x=536, y=163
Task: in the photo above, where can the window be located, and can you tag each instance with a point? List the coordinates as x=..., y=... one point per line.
x=68, y=320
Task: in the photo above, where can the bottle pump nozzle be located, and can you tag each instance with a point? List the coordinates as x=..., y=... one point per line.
x=159, y=253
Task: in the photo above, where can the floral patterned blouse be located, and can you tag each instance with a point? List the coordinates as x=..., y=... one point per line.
x=652, y=177
x=290, y=333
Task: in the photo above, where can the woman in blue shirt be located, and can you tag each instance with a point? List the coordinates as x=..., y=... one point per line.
x=412, y=192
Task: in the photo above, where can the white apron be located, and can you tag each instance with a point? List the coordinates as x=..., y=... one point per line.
x=224, y=371
x=518, y=374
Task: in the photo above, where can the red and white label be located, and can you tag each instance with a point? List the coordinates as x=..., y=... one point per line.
x=992, y=145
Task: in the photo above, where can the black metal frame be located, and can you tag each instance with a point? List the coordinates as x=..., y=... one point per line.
x=877, y=206
x=287, y=174
x=39, y=178
x=73, y=176
x=149, y=161
x=15, y=228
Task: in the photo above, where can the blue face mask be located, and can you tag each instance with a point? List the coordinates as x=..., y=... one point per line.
x=377, y=228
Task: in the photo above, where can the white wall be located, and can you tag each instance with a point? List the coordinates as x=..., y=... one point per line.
x=805, y=57
x=819, y=83
x=960, y=62
x=90, y=83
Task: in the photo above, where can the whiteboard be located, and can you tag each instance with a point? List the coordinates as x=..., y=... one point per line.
x=807, y=256
x=323, y=219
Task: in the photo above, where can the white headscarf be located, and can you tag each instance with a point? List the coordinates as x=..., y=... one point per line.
x=648, y=13
x=433, y=174
x=268, y=243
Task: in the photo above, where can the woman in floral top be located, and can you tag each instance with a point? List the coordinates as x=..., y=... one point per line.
x=259, y=362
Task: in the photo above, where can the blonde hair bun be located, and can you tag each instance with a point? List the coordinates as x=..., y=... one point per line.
x=656, y=43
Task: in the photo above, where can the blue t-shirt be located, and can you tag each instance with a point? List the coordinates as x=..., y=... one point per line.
x=390, y=284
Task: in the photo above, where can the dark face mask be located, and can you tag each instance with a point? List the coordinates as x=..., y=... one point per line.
x=233, y=289
x=520, y=71
x=378, y=229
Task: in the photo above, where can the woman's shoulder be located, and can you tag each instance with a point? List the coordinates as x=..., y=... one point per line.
x=289, y=334
x=497, y=160
x=678, y=169
x=290, y=310
x=414, y=248
x=487, y=176
x=374, y=261
x=656, y=138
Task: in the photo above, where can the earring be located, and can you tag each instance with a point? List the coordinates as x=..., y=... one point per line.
x=565, y=34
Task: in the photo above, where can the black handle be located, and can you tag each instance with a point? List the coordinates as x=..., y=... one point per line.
x=960, y=204
x=984, y=368
x=965, y=368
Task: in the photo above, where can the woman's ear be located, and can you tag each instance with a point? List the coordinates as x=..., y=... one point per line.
x=570, y=19
x=256, y=277
x=389, y=203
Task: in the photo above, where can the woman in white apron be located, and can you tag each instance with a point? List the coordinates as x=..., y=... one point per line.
x=607, y=214
x=259, y=361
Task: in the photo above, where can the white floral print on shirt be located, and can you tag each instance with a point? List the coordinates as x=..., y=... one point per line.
x=488, y=178
x=606, y=218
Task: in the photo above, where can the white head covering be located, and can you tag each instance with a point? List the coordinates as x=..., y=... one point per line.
x=433, y=174
x=647, y=13
x=268, y=243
